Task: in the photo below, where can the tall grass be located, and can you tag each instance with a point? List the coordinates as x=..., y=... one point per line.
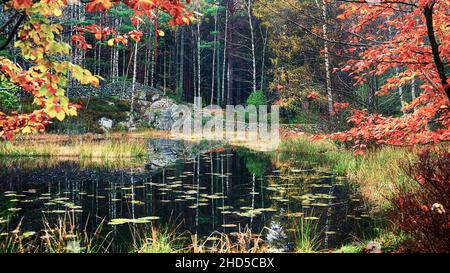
x=307, y=235
x=111, y=145
x=244, y=241
x=78, y=148
x=386, y=235
x=375, y=174
x=154, y=239
x=379, y=173
x=325, y=152
x=64, y=236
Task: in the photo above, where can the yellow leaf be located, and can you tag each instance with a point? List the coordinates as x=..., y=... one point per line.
x=71, y=112
x=51, y=112
x=57, y=12
x=26, y=130
x=60, y=115
x=94, y=81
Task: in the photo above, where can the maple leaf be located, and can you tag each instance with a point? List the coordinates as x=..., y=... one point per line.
x=136, y=35
x=99, y=5
x=22, y=4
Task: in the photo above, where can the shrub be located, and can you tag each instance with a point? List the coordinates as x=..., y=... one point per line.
x=8, y=100
x=424, y=212
x=257, y=98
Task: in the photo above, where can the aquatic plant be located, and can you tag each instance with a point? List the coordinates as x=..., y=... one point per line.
x=154, y=239
x=244, y=241
x=307, y=234
x=63, y=236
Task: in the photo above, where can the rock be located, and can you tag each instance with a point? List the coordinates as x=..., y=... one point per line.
x=162, y=103
x=140, y=95
x=155, y=97
x=142, y=104
x=106, y=123
x=160, y=114
x=373, y=247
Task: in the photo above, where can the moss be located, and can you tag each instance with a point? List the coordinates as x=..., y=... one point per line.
x=93, y=109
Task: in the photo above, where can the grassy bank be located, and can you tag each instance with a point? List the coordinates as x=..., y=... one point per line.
x=375, y=174
x=118, y=145
x=381, y=175
x=76, y=148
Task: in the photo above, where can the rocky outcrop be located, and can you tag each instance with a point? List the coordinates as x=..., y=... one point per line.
x=152, y=108
x=160, y=112
x=117, y=89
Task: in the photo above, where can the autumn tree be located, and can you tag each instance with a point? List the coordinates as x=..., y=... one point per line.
x=298, y=65
x=416, y=52
x=43, y=72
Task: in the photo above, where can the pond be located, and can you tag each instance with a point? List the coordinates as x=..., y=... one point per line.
x=193, y=190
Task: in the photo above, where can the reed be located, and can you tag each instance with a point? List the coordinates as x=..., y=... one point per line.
x=154, y=239
x=79, y=148
x=62, y=236
x=307, y=235
x=244, y=241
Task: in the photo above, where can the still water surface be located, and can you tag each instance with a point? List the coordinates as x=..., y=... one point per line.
x=223, y=190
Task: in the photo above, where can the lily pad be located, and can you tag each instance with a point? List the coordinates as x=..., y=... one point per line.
x=229, y=225
x=311, y=218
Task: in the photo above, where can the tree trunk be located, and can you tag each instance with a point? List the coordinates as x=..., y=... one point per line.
x=230, y=82
x=133, y=86
x=224, y=70
x=327, y=58
x=181, y=80
x=115, y=58
x=428, y=13
x=261, y=87
x=213, y=79
x=194, y=65
x=250, y=21
x=199, y=74
x=155, y=50
x=165, y=70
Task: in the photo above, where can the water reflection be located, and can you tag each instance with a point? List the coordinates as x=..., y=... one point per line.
x=206, y=191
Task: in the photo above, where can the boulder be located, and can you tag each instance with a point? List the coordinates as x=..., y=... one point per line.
x=372, y=247
x=155, y=97
x=106, y=123
x=161, y=114
x=163, y=103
